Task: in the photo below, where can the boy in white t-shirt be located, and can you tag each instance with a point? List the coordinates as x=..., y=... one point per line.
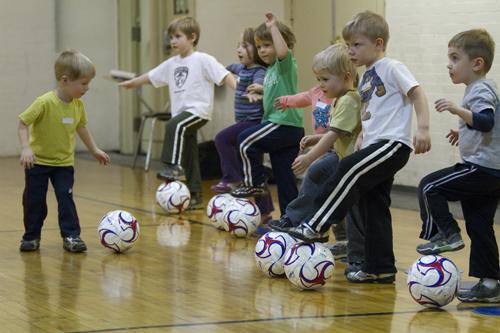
x=190, y=76
x=388, y=92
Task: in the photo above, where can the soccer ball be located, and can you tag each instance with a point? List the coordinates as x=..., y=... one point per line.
x=118, y=230
x=173, y=197
x=241, y=217
x=270, y=252
x=308, y=265
x=433, y=281
x=216, y=208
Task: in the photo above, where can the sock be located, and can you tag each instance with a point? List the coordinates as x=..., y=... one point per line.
x=490, y=283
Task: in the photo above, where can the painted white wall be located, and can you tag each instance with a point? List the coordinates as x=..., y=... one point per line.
x=420, y=31
x=27, y=30
x=31, y=34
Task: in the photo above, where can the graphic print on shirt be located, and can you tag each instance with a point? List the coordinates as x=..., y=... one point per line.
x=320, y=114
x=371, y=82
x=181, y=75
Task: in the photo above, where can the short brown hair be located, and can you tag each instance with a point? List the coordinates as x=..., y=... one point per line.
x=476, y=43
x=263, y=33
x=187, y=25
x=368, y=24
x=248, y=38
x=74, y=65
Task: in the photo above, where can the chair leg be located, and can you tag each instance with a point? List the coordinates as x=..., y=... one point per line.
x=150, y=145
x=138, y=141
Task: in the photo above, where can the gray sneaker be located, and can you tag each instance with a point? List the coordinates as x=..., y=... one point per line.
x=282, y=225
x=353, y=267
x=172, y=172
x=307, y=234
x=196, y=202
x=439, y=244
x=29, y=245
x=338, y=249
x=480, y=293
x=362, y=277
x=74, y=244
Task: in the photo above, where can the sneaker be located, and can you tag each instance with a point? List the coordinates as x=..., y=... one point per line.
x=362, y=277
x=196, y=202
x=439, y=243
x=353, y=267
x=307, y=234
x=283, y=224
x=480, y=293
x=243, y=191
x=338, y=249
x=172, y=172
x=222, y=187
x=29, y=245
x=74, y=244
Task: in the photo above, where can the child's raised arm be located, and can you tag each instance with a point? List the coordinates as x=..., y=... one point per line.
x=230, y=80
x=87, y=139
x=300, y=100
x=278, y=40
x=27, y=158
x=136, y=81
x=422, y=139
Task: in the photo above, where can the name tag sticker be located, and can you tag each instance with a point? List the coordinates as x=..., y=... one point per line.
x=321, y=105
x=68, y=120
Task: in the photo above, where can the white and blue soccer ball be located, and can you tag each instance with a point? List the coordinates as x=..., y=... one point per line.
x=216, y=208
x=173, y=197
x=118, y=230
x=270, y=252
x=308, y=265
x=433, y=281
x=241, y=217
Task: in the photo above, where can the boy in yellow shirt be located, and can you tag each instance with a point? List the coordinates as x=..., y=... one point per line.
x=47, y=136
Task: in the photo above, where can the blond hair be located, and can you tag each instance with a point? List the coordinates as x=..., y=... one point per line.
x=334, y=59
x=187, y=25
x=476, y=43
x=74, y=65
x=368, y=24
x=263, y=33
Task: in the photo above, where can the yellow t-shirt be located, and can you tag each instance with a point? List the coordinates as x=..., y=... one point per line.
x=345, y=118
x=53, y=124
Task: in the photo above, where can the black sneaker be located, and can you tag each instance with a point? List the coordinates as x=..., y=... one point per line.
x=172, y=172
x=480, y=293
x=439, y=243
x=283, y=224
x=353, y=267
x=74, y=244
x=243, y=191
x=338, y=249
x=29, y=245
x=196, y=202
x=307, y=234
x=362, y=277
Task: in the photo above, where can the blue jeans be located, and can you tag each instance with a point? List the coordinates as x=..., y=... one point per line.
x=35, y=204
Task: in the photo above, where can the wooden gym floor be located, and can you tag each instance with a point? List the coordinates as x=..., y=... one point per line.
x=183, y=275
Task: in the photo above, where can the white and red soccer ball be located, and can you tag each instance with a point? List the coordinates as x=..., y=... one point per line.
x=270, y=252
x=433, y=281
x=241, y=217
x=173, y=197
x=216, y=208
x=308, y=265
x=118, y=230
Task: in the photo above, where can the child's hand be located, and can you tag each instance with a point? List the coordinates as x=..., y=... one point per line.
x=253, y=97
x=127, y=84
x=255, y=88
x=27, y=158
x=101, y=156
x=422, y=141
x=280, y=103
x=301, y=164
x=270, y=20
x=453, y=137
x=445, y=105
x=306, y=141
